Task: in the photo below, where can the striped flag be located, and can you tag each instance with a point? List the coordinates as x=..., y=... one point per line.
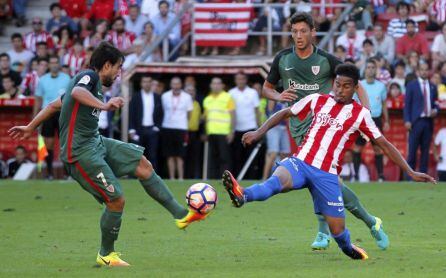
x=221, y=24
x=41, y=152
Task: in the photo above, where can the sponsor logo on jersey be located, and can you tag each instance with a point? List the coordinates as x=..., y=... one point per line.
x=304, y=87
x=315, y=69
x=325, y=119
x=84, y=80
x=96, y=112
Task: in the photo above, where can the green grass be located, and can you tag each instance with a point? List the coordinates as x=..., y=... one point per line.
x=50, y=229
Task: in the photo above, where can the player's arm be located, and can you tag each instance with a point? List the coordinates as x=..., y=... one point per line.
x=363, y=97
x=391, y=151
x=386, y=125
x=270, y=93
x=24, y=132
x=83, y=96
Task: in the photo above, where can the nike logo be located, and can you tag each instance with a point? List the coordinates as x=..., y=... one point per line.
x=107, y=263
x=340, y=209
x=288, y=69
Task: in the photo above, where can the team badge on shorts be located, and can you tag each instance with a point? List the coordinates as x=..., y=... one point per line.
x=315, y=69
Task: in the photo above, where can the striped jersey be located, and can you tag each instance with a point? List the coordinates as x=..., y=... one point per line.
x=397, y=28
x=75, y=62
x=32, y=38
x=334, y=128
x=438, y=9
x=29, y=83
x=122, y=41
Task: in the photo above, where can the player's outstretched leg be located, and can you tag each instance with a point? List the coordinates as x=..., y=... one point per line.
x=352, y=204
x=342, y=237
x=110, y=226
x=158, y=190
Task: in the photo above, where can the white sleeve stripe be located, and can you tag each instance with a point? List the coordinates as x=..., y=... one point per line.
x=371, y=126
x=300, y=105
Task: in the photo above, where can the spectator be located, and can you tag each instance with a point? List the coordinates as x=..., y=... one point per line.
x=361, y=14
x=162, y=20
x=88, y=53
x=261, y=25
x=157, y=87
x=412, y=63
x=395, y=99
x=148, y=37
x=397, y=26
x=348, y=172
x=121, y=38
x=400, y=76
x=277, y=140
x=193, y=156
x=50, y=87
x=85, y=28
x=5, y=70
x=440, y=158
x=18, y=53
x=138, y=47
x=42, y=50
x=99, y=34
x=58, y=20
x=38, y=35
x=19, y=7
x=340, y=53
x=64, y=40
x=19, y=159
x=383, y=43
x=101, y=9
x=419, y=110
x=442, y=70
x=438, y=11
x=75, y=9
x=441, y=88
x=31, y=80
x=135, y=21
x=377, y=94
x=412, y=41
x=146, y=119
x=9, y=91
x=219, y=117
x=3, y=167
x=149, y=8
x=75, y=57
x=247, y=119
x=439, y=47
x=367, y=53
x=177, y=106
x=382, y=73
x=352, y=40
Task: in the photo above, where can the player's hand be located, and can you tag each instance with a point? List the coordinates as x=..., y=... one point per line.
x=408, y=126
x=20, y=132
x=289, y=95
x=422, y=177
x=230, y=137
x=250, y=138
x=114, y=103
x=386, y=126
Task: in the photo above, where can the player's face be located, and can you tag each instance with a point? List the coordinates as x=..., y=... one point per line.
x=111, y=72
x=344, y=89
x=302, y=35
x=370, y=70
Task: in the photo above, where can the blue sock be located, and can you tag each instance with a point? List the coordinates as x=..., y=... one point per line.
x=343, y=241
x=262, y=191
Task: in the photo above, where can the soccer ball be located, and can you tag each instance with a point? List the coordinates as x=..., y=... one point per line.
x=201, y=197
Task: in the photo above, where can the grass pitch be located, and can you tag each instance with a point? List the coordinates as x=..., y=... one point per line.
x=50, y=229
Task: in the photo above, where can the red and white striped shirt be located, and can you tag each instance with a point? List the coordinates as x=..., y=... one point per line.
x=32, y=38
x=439, y=10
x=74, y=62
x=121, y=41
x=29, y=83
x=334, y=128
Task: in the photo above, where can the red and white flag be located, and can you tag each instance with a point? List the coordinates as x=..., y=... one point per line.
x=221, y=24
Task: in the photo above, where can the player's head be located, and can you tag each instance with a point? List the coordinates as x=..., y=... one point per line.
x=346, y=82
x=107, y=61
x=302, y=30
x=370, y=69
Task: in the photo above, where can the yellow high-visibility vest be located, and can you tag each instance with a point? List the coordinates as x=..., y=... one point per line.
x=218, y=109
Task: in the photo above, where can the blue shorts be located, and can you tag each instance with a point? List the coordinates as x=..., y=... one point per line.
x=324, y=187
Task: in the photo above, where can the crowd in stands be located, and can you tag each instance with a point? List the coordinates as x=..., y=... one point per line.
x=399, y=38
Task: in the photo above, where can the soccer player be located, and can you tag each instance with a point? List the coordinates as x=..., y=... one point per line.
x=337, y=121
x=95, y=161
x=305, y=69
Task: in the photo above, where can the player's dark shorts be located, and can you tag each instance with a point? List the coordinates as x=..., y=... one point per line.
x=50, y=126
x=174, y=142
x=323, y=186
x=379, y=123
x=96, y=170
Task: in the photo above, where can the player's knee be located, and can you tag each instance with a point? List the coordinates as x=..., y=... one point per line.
x=145, y=169
x=116, y=204
x=337, y=229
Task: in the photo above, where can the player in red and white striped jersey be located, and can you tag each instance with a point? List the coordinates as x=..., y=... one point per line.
x=336, y=122
x=121, y=38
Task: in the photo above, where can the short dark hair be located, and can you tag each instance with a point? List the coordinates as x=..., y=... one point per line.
x=371, y=61
x=41, y=59
x=119, y=18
x=41, y=43
x=105, y=52
x=4, y=54
x=400, y=63
x=349, y=61
x=8, y=76
x=302, y=17
x=54, y=5
x=340, y=47
x=401, y=4
x=367, y=41
x=20, y=147
x=410, y=21
x=163, y=2
x=348, y=70
x=16, y=36
x=53, y=57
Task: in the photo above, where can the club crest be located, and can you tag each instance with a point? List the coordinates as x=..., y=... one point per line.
x=315, y=69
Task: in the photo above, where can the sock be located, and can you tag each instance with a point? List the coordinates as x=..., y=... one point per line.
x=351, y=202
x=343, y=241
x=262, y=191
x=49, y=162
x=323, y=226
x=379, y=165
x=110, y=225
x=158, y=190
x=356, y=164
